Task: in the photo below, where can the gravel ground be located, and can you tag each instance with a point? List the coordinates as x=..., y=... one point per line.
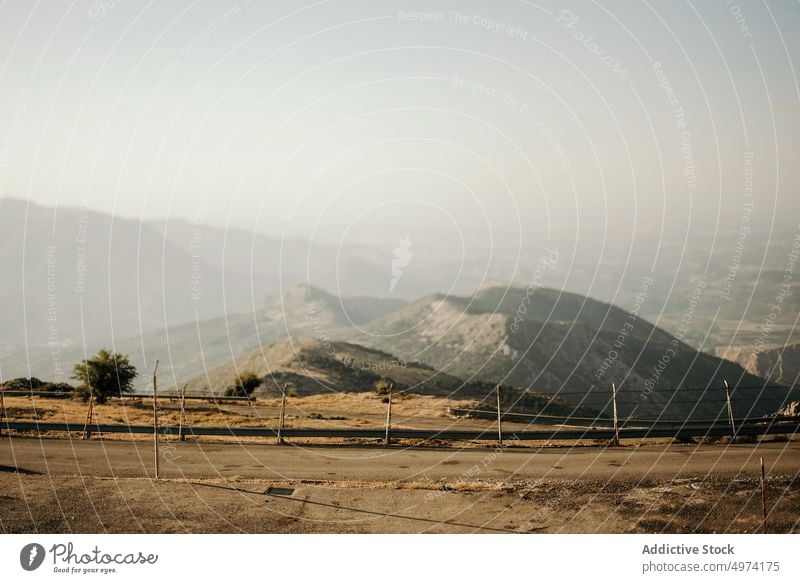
x=65, y=504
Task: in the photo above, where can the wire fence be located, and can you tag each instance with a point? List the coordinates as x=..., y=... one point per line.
x=528, y=426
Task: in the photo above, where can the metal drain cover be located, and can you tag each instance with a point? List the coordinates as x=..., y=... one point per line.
x=272, y=491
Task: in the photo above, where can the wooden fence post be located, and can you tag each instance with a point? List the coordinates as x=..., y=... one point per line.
x=730, y=411
x=763, y=498
x=181, y=436
x=87, y=432
x=499, y=417
x=280, y=420
x=615, y=440
x=155, y=419
x=2, y=408
x=387, y=438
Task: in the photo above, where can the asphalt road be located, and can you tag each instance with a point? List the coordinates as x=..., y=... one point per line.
x=63, y=457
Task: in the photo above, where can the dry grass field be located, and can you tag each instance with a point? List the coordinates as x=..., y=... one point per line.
x=341, y=409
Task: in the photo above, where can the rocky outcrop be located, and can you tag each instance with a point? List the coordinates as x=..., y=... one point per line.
x=779, y=364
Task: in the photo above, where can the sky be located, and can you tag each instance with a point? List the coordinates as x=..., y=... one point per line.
x=469, y=125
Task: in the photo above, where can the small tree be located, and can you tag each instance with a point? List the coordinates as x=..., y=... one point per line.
x=246, y=382
x=105, y=375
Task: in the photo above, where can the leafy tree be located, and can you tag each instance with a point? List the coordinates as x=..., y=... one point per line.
x=107, y=374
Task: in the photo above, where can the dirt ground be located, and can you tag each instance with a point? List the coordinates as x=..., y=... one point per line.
x=38, y=503
x=60, y=485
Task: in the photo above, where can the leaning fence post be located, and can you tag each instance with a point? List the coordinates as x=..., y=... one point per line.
x=730, y=412
x=386, y=439
x=87, y=432
x=280, y=420
x=499, y=417
x=615, y=440
x=155, y=419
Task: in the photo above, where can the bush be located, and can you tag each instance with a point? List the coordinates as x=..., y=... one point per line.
x=246, y=382
x=382, y=386
x=23, y=384
x=56, y=390
x=707, y=440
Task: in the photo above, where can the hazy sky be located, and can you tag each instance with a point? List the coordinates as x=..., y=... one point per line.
x=472, y=122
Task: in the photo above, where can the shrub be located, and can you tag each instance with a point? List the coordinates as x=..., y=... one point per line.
x=382, y=386
x=48, y=390
x=23, y=384
x=246, y=382
x=57, y=390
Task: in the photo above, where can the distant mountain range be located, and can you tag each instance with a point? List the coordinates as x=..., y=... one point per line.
x=567, y=345
x=75, y=276
x=551, y=342
x=192, y=296
x=187, y=349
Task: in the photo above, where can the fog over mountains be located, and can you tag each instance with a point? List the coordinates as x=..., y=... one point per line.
x=62, y=266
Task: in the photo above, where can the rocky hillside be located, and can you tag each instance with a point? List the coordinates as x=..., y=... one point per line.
x=567, y=345
x=780, y=364
x=306, y=366
x=790, y=410
x=309, y=366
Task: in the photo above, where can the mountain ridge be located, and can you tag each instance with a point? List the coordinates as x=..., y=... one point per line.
x=587, y=346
